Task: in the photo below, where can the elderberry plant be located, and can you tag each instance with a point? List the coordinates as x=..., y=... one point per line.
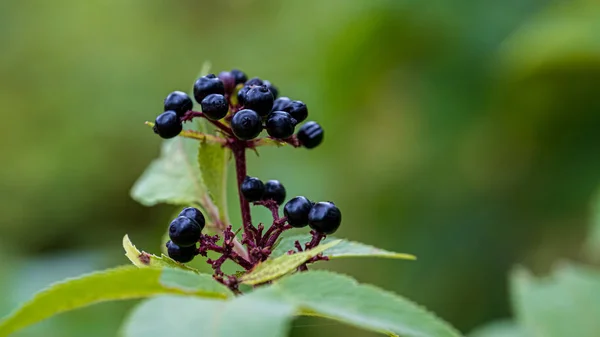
x=272, y=283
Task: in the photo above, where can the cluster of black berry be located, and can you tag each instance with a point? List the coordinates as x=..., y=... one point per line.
x=323, y=217
x=258, y=107
x=184, y=233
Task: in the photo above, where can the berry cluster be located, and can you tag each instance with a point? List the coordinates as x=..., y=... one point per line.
x=240, y=109
x=257, y=107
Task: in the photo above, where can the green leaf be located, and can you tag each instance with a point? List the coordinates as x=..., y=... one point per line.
x=113, y=284
x=248, y=315
x=212, y=160
x=344, y=249
x=592, y=244
x=505, y=328
x=341, y=298
x=275, y=268
x=143, y=259
x=567, y=303
x=173, y=178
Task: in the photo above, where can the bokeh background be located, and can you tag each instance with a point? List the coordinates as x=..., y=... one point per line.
x=465, y=132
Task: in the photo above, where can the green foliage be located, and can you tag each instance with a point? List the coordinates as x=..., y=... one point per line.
x=143, y=259
x=212, y=161
x=344, y=249
x=500, y=329
x=281, y=265
x=113, y=284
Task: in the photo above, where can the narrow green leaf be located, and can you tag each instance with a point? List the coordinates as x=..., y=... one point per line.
x=143, y=259
x=341, y=298
x=505, y=328
x=109, y=285
x=212, y=160
x=173, y=178
x=344, y=249
x=275, y=268
x=249, y=315
x=567, y=303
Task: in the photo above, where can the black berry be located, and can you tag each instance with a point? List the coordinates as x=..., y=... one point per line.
x=179, y=102
x=324, y=217
x=274, y=190
x=296, y=210
x=259, y=99
x=181, y=254
x=252, y=189
x=254, y=81
x=241, y=94
x=280, y=124
x=273, y=89
x=310, y=135
x=214, y=106
x=194, y=214
x=207, y=85
x=228, y=81
x=184, y=231
x=246, y=124
x=298, y=110
x=239, y=76
x=167, y=124
x=281, y=104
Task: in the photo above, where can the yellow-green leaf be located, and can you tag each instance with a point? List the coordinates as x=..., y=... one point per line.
x=275, y=268
x=212, y=160
x=142, y=259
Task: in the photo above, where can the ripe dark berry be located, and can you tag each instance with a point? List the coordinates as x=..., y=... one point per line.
x=298, y=110
x=274, y=190
x=239, y=76
x=241, y=94
x=281, y=104
x=167, y=124
x=280, y=124
x=246, y=124
x=310, y=135
x=254, y=81
x=214, y=106
x=184, y=231
x=273, y=89
x=207, y=85
x=181, y=254
x=324, y=217
x=252, y=189
x=228, y=81
x=296, y=210
x=179, y=102
x=259, y=99
x=194, y=214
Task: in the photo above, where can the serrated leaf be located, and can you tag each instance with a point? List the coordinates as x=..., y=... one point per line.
x=344, y=249
x=248, y=315
x=341, y=298
x=567, y=303
x=212, y=160
x=109, y=285
x=143, y=259
x=173, y=178
x=505, y=328
x=275, y=268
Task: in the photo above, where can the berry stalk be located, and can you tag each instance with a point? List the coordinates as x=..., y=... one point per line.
x=238, y=148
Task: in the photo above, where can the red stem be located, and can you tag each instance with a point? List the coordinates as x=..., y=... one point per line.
x=238, y=148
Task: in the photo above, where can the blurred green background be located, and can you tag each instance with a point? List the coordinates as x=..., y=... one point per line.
x=464, y=132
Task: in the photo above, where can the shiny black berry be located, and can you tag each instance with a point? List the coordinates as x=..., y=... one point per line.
x=273, y=89
x=184, y=231
x=296, y=210
x=252, y=189
x=254, y=81
x=167, y=124
x=239, y=76
x=310, y=135
x=228, y=81
x=181, y=254
x=274, y=190
x=324, y=217
x=246, y=124
x=207, y=85
x=281, y=104
x=259, y=99
x=298, y=110
x=280, y=124
x=214, y=106
x=241, y=94
x=194, y=214
x=179, y=102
